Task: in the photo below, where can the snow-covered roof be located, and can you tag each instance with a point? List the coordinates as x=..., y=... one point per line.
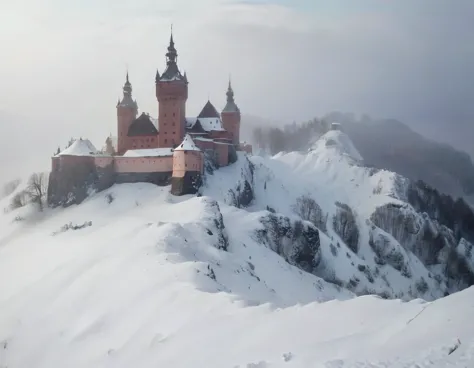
x=187, y=145
x=149, y=152
x=203, y=139
x=80, y=147
x=190, y=122
x=209, y=124
x=155, y=122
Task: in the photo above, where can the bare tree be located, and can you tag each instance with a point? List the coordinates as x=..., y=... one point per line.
x=37, y=188
x=18, y=200
x=307, y=208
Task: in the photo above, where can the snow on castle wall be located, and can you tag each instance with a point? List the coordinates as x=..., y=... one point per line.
x=143, y=164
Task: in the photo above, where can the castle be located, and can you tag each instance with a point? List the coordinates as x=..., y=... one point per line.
x=170, y=149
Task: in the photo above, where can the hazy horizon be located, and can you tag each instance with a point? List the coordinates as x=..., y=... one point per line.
x=65, y=64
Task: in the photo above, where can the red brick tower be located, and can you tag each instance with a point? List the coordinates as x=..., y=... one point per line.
x=171, y=93
x=231, y=117
x=127, y=111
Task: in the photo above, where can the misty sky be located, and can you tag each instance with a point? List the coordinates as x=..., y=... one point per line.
x=64, y=62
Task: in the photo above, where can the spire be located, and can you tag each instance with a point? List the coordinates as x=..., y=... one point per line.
x=172, y=72
x=127, y=87
x=172, y=54
x=127, y=100
x=157, y=77
x=230, y=106
x=185, y=78
x=230, y=92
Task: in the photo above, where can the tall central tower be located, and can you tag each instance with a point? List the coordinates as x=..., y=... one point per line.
x=127, y=110
x=171, y=93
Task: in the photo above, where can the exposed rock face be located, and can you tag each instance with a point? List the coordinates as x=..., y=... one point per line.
x=188, y=184
x=216, y=225
x=433, y=243
x=296, y=241
x=242, y=194
x=345, y=226
x=454, y=214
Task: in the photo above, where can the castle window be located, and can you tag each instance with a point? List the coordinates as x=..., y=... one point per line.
x=174, y=114
x=166, y=140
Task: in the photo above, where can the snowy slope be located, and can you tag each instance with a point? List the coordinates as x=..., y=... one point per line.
x=137, y=277
x=386, y=259
x=148, y=284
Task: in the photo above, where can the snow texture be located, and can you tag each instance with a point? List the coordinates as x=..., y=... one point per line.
x=187, y=144
x=80, y=147
x=137, y=277
x=149, y=152
x=372, y=242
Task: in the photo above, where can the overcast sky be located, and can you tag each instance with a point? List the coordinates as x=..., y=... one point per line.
x=64, y=63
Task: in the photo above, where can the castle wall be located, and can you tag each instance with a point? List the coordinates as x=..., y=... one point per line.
x=143, y=164
x=205, y=144
x=103, y=161
x=184, y=161
x=222, y=151
x=219, y=134
x=231, y=123
x=55, y=163
x=70, y=182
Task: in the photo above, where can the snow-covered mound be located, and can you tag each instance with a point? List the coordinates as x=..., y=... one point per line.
x=374, y=234
x=136, y=277
x=338, y=141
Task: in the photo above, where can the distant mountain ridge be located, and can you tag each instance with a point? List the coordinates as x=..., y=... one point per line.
x=384, y=144
x=390, y=144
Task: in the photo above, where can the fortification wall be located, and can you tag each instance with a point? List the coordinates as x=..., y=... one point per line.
x=143, y=164
x=184, y=161
x=222, y=151
x=103, y=161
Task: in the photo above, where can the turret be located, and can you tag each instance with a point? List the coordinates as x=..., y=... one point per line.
x=171, y=93
x=231, y=116
x=127, y=110
x=188, y=166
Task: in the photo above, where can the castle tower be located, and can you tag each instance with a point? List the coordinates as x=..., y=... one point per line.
x=188, y=167
x=171, y=93
x=127, y=111
x=231, y=117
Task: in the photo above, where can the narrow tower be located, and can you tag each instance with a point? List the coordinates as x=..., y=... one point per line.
x=171, y=93
x=127, y=111
x=231, y=117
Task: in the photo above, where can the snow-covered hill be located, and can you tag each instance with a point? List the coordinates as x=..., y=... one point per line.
x=372, y=239
x=134, y=276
